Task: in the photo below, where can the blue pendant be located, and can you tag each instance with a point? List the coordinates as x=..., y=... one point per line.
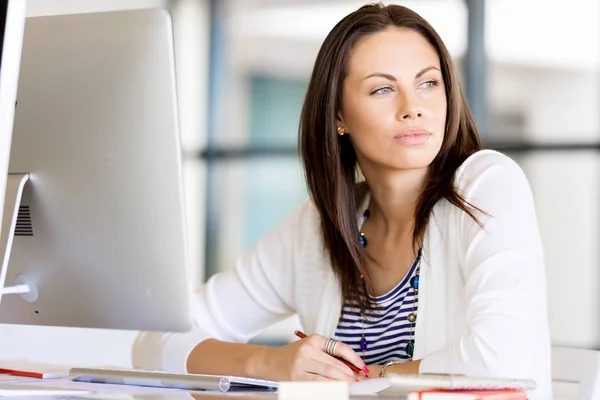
x=363, y=344
x=363, y=240
x=414, y=282
x=367, y=213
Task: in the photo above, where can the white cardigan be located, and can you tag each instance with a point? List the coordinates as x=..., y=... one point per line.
x=482, y=295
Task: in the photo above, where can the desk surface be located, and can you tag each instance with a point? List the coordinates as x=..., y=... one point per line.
x=125, y=392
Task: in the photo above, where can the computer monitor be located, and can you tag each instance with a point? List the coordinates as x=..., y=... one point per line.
x=12, y=21
x=95, y=194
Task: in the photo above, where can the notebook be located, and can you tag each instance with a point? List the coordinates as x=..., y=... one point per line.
x=33, y=369
x=170, y=380
x=404, y=385
x=506, y=394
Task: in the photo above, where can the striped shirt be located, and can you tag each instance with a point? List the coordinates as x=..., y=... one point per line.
x=386, y=328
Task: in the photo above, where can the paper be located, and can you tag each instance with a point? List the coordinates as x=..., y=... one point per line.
x=369, y=387
x=11, y=378
x=22, y=389
x=326, y=390
x=103, y=388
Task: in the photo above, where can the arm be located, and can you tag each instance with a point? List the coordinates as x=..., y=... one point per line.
x=301, y=360
x=216, y=357
x=504, y=274
x=233, y=307
x=407, y=368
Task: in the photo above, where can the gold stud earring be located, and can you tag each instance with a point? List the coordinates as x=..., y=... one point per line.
x=341, y=131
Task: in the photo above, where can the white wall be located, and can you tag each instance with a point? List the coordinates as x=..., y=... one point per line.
x=562, y=106
x=566, y=186
x=566, y=189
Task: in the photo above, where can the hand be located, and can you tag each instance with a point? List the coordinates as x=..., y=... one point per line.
x=306, y=360
x=374, y=370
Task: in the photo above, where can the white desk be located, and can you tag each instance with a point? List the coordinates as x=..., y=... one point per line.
x=122, y=392
x=125, y=392
x=109, y=391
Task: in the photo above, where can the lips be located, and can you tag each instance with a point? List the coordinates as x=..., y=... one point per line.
x=412, y=132
x=413, y=136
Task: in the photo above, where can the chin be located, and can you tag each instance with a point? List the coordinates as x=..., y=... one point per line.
x=413, y=159
x=406, y=166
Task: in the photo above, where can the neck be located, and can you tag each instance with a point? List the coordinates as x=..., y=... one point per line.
x=394, y=197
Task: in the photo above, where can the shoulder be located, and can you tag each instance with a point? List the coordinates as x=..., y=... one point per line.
x=489, y=168
x=495, y=189
x=304, y=217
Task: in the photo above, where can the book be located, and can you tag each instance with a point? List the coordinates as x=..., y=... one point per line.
x=31, y=369
x=457, y=382
x=432, y=386
x=506, y=394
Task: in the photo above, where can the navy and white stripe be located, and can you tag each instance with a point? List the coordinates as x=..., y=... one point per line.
x=386, y=327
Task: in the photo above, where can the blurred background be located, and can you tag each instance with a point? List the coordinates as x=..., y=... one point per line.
x=531, y=73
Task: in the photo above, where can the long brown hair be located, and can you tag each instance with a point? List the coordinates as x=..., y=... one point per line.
x=330, y=161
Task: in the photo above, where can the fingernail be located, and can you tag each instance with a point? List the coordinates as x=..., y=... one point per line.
x=365, y=369
x=356, y=380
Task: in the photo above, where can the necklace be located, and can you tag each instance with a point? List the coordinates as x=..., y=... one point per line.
x=411, y=317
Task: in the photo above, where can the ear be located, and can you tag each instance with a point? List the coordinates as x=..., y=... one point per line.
x=339, y=117
x=340, y=122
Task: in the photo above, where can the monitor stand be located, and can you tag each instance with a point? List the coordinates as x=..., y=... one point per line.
x=14, y=191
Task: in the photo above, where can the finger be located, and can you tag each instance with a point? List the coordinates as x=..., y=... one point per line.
x=341, y=350
x=315, y=353
x=316, y=377
x=344, y=351
x=327, y=359
x=330, y=371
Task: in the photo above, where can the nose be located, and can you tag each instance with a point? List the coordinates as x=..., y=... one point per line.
x=409, y=107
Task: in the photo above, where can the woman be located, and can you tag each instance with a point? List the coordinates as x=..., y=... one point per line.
x=433, y=263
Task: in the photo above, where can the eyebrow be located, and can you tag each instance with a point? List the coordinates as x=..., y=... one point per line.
x=393, y=78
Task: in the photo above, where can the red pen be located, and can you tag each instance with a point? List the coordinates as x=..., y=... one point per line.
x=302, y=335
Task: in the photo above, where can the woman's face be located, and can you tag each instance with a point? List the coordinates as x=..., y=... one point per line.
x=394, y=101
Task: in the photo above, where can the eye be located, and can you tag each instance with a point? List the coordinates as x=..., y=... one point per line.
x=428, y=84
x=383, y=90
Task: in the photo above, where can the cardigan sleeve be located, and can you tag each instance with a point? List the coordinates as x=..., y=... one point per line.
x=236, y=305
x=504, y=275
